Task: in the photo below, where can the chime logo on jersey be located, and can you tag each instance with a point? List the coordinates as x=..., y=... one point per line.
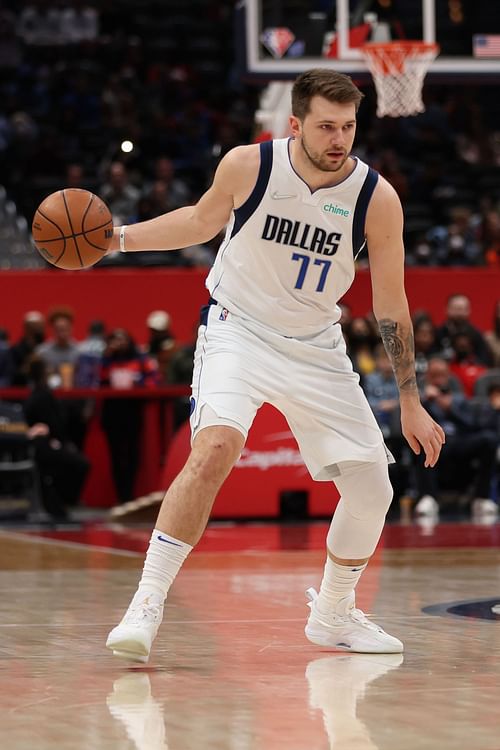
x=301, y=235
x=337, y=210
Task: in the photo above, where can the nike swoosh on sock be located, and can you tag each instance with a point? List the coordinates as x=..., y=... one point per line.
x=168, y=541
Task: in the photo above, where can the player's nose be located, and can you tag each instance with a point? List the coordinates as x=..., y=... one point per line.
x=337, y=138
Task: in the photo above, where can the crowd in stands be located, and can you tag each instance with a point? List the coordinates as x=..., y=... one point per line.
x=47, y=357
x=458, y=372
x=78, y=79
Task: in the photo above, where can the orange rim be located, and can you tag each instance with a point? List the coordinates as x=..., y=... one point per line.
x=390, y=57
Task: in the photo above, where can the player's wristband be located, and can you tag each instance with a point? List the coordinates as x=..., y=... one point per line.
x=122, y=239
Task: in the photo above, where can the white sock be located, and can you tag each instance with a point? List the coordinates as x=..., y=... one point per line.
x=163, y=561
x=338, y=582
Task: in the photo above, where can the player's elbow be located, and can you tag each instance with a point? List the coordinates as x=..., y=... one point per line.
x=205, y=228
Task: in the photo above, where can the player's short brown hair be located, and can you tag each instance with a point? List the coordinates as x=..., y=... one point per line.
x=333, y=86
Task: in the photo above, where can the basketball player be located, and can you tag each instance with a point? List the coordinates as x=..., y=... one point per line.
x=298, y=211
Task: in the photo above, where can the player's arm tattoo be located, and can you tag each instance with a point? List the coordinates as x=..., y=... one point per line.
x=399, y=344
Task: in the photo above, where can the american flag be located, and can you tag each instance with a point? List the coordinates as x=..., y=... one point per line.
x=486, y=45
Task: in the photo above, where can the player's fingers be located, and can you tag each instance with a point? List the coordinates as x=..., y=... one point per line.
x=440, y=432
x=432, y=450
x=413, y=443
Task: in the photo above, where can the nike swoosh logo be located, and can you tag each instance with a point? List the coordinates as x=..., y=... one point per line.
x=282, y=196
x=162, y=539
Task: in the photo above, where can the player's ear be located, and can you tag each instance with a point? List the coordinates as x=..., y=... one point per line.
x=295, y=126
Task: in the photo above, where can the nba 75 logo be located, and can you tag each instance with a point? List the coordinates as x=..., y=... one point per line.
x=224, y=314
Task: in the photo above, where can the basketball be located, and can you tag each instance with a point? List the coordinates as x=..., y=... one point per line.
x=72, y=229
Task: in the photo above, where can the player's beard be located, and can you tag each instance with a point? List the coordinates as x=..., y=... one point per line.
x=321, y=161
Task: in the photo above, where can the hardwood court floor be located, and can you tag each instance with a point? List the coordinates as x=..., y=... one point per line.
x=231, y=669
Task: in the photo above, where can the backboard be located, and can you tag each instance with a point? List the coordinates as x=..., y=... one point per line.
x=282, y=38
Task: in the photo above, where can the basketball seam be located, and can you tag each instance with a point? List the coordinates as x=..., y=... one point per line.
x=69, y=236
x=97, y=247
x=71, y=227
x=62, y=237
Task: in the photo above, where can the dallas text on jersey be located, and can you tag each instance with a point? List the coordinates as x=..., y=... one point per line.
x=299, y=234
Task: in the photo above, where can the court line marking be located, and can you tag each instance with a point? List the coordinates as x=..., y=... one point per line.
x=169, y=622
x=25, y=537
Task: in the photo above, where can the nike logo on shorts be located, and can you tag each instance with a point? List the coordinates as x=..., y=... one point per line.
x=162, y=539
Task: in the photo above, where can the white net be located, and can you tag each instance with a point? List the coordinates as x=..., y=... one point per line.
x=398, y=70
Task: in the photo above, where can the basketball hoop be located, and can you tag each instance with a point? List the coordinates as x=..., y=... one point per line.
x=398, y=70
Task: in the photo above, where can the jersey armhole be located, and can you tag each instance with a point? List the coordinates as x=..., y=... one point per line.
x=244, y=212
x=358, y=222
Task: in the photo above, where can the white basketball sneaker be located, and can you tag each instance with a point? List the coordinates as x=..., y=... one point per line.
x=348, y=629
x=134, y=636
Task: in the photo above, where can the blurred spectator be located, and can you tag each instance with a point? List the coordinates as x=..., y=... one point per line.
x=176, y=191
x=456, y=244
x=79, y=23
x=155, y=202
x=10, y=47
x=488, y=418
x=22, y=351
x=424, y=332
x=389, y=166
x=464, y=364
x=488, y=410
x=382, y=392
x=361, y=340
x=493, y=337
x=489, y=235
x=468, y=456
x=161, y=341
x=75, y=177
x=60, y=353
x=62, y=467
x=6, y=360
x=90, y=353
x=124, y=367
x=180, y=372
x=40, y=23
x=121, y=197
x=201, y=256
x=458, y=313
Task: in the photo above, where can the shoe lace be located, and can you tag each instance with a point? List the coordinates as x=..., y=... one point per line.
x=359, y=616
x=143, y=613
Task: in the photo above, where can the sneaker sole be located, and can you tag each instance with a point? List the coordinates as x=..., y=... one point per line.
x=129, y=656
x=320, y=640
x=128, y=648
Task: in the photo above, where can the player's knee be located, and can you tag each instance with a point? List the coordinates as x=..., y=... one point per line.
x=367, y=492
x=215, y=451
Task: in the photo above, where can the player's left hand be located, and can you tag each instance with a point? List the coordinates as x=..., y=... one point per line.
x=421, y=431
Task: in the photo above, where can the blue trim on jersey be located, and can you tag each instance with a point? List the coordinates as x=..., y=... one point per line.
x=205, y=310
x=244, y=212
x=359, y=218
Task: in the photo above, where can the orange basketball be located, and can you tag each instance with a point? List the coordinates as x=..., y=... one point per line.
x=72, y=229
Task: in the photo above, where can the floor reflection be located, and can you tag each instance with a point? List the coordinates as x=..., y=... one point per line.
x=336, y=684
x=133, y=705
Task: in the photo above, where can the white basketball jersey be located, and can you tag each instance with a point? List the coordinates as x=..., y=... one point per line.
x=288, y=253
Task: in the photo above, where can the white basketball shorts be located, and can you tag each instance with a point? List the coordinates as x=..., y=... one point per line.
x=239, y=365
